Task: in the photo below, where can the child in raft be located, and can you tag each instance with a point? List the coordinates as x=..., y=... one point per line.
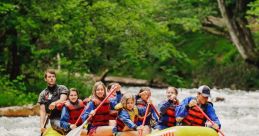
x=71, y=112
x=99, y=123
x=142, y=101
x=167, y=109
x=127, y=117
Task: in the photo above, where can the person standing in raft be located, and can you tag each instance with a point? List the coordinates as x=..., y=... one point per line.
x=48, y=99
x=167, y=109
x=188, y=114
x=99, y=124
x=142, y=101
x=71, y=112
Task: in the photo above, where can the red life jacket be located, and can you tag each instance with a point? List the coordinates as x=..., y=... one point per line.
x=113, y=114
x=120, y=125
x=170, y=112
x=101, y=117
x=195, y=117
x=75, y=111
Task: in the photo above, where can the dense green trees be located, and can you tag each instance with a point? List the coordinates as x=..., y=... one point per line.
x=159, y=40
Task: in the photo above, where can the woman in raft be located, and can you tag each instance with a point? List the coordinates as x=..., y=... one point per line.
x=127, y=118
x=142, y=101
x=71, y=112
x=99, y=123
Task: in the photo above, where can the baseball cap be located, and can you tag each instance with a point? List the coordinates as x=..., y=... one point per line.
x=204, y=90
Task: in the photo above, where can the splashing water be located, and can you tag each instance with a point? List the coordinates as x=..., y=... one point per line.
x=239, y=113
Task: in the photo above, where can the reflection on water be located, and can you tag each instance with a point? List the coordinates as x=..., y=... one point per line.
x=239, y=113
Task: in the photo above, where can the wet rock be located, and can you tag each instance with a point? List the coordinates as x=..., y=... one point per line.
x=218, y=99
x=20, y=111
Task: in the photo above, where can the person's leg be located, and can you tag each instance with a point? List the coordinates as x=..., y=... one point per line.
x=55, y=124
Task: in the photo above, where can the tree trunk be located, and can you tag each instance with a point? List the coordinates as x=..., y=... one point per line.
x=14, y=61
x=239, y=32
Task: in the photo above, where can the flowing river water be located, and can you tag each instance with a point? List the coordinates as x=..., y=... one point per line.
x=239, y=113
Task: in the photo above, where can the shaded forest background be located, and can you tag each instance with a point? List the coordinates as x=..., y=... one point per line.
x=184, y=43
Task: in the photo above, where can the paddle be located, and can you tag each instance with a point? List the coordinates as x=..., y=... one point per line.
x=208, y=119
x=80, y=116
x=154, y=108
x=45, y=123
x=145, y=117
x=77, y=131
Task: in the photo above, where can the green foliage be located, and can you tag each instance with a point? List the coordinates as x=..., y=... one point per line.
x=254, y=9
x=14, y=92
x=157, y=40
x=82, y=82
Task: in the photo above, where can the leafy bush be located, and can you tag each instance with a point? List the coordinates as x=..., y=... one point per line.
x=82, y=82
x=14, y=92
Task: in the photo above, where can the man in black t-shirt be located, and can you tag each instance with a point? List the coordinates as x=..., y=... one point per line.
x=48, y=99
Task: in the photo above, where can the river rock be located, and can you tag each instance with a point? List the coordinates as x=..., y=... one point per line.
x=20, y=111
x=218, y=99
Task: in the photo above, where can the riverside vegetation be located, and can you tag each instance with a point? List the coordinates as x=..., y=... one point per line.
x=184, y=43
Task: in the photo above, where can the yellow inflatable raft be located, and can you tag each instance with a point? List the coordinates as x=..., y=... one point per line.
x=186, y=131
x=51, y=132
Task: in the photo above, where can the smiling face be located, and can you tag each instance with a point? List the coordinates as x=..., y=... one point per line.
x=50, y=78
x=100, y=91
x=73, y=96
x=171, y=91
x=130, y=104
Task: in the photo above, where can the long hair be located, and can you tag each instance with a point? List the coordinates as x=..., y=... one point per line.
x=125, y=99
x=95, y=88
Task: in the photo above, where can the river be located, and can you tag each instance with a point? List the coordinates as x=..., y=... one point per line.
x=239, y=113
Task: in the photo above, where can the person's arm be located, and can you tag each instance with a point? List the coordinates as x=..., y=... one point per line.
x=89, y=107
x=165, y=105
x=182, y=110
x=42, y=117
x=63, y=98
x=125, y=118
x=116, y=100
x=212, y=115
x=118, y=96
x=64, y=118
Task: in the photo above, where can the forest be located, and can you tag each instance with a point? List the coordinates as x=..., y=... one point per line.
x=183, y=43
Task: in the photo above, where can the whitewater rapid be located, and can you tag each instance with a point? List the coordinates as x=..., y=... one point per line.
x=239, y=113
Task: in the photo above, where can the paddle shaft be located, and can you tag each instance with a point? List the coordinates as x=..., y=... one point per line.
x=145, y=117
x=45, y=124
x=157, y=113
x=209, y=119
x=80, y=116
